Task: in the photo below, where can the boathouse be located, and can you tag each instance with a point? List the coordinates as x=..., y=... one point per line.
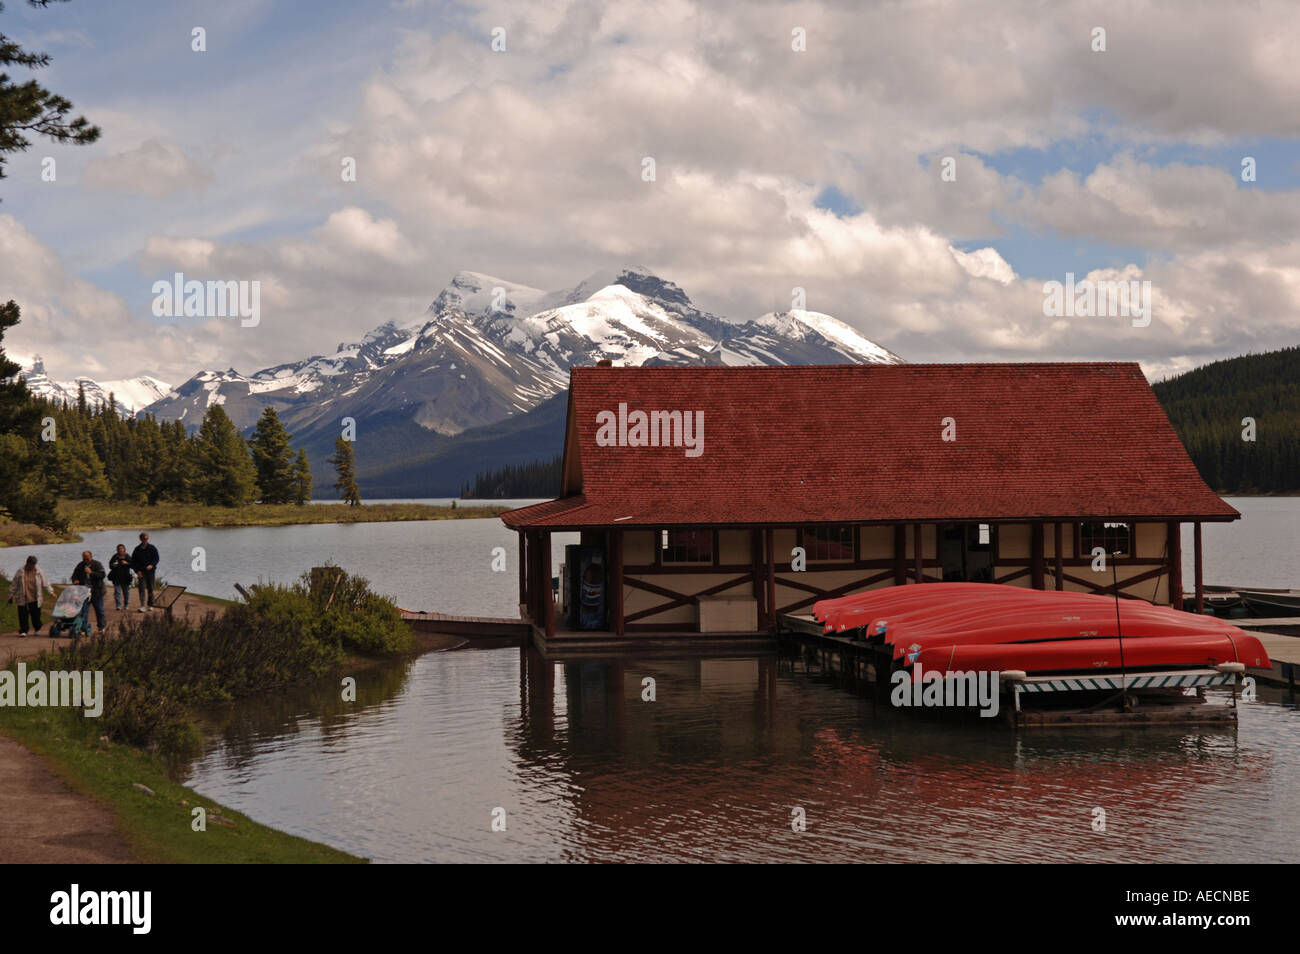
x=714, y=500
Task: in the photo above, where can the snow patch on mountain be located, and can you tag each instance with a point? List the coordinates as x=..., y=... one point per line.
x=129, y=394
x=798, y=325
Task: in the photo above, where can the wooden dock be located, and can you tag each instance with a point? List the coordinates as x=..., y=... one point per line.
x=1284, y=653
x=866, y=666
x=482, y=632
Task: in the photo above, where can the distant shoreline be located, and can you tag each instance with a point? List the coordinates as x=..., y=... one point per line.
x=90, y=516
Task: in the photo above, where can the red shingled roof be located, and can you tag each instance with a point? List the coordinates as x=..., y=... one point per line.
x=862, y=443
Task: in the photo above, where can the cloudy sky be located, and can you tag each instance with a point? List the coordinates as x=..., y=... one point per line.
x=775, y=167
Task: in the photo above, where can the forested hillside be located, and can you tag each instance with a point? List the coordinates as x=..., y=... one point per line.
x=1207, y=407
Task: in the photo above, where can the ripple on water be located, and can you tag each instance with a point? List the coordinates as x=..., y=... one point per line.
x=715, y=767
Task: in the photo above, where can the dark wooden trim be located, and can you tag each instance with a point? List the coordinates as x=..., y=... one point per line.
x=831, y=594
x=918, y=571
x=677, y=569
x=1057, y=539
x=1174, y=534
x=1123, y=584
x=616, y=579
x=678, y=599
x=523, y=568
x=878, y=564
x=900, y=554
x=1017, y=574
x=770, y=545
x=547, y=596
x=1196, y=564
x=1037, y=563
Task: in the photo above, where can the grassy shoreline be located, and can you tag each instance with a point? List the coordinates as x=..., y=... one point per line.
x=84, y=516
x=156, y=827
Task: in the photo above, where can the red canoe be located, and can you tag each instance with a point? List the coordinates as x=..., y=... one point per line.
x=974, y=626
x=1188, y=651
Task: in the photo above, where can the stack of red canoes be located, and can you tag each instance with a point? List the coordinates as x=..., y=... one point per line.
x=964, y=627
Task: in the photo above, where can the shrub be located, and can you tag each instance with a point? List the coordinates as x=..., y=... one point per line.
x=352, y=615
x=158, y=668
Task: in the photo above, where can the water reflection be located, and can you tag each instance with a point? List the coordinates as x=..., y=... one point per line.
x=713, y=768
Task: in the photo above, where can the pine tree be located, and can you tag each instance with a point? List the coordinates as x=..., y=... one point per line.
x=223, y=470
x=345, y=467
x=301, y=478
x=273, y=459
x=30, y=108
x=24, y=496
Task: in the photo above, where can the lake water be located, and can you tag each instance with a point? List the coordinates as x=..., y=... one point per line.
x=714, y=767
x=443, y=565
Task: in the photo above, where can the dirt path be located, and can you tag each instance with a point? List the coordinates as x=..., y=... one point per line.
x=12, y=647
x=43, y=821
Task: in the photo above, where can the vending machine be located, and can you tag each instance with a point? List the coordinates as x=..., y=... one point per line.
x=584, y=597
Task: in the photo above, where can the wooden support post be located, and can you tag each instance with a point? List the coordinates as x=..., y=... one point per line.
x=900, y=554
x=917, y=554
x=616, y=579
x=523, y=571
x=770, y=575
x=1196, y=560
x=770, y=546
x=548, y=597
x=756, y=558
x=1175, y=564
x=533, y=574
x=1037, y=565
x=1057, y=537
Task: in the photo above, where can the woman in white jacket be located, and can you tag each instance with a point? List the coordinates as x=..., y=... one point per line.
x=25, y=589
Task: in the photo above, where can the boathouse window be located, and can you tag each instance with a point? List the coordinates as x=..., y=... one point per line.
x=686, y=546
x=828, y=544
x=1111, y=537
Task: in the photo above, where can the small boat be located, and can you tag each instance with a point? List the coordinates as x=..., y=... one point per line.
x=978, y=626
x=1271, y=603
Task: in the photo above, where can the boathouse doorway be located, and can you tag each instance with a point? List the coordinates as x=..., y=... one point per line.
x=966, y=551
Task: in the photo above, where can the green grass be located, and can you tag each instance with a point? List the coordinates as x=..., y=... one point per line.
x=156, y=827
x=86, y=515
x=9, y=611
x=14, y=534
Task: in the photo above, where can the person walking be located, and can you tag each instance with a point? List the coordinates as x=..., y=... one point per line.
x=25, y=589
x=90, y=572
x=144, y=560
x=119, y=574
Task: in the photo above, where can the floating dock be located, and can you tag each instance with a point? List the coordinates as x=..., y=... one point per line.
x=1157, y=698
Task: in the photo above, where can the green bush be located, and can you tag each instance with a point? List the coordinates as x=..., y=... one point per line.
x=353, y=616
x=158, y=669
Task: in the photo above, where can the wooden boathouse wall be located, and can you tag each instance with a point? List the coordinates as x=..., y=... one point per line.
x=646, y=595
x=859, y=449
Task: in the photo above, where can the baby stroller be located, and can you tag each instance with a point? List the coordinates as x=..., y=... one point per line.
x=72, y=612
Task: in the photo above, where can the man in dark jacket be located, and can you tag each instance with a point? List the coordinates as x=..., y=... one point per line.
x=90, y=572
x=144, y=560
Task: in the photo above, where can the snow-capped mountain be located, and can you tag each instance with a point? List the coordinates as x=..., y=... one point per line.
x=487, y=350
x=790, y=337
x=130, y=395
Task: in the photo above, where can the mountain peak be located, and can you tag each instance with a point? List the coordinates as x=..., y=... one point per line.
x=477, y=293
x=799, y=325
